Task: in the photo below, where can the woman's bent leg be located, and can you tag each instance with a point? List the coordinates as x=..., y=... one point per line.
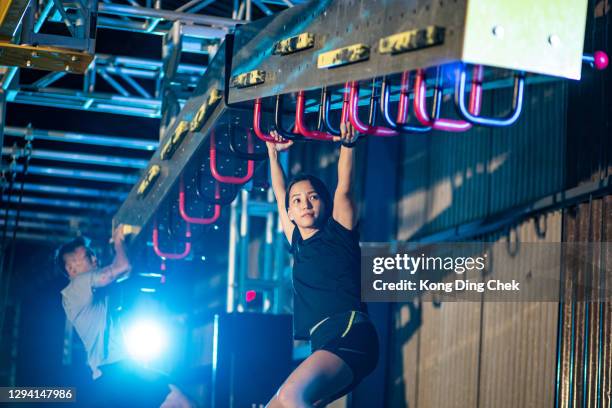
x=320, y=376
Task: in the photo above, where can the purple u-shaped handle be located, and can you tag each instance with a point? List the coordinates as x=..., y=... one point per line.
x=517, y=101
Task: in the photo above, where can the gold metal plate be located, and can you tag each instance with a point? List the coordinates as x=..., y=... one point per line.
x=128, y=229
x=146, y=184
x=343, y=56
x=411, y=40
x=294, y=44
x=202, y=114
x=249, y=79
x=173, y=142
x=45, y=58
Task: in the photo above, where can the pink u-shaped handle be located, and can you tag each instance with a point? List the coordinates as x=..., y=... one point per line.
x=449, y=125
x=197, y=220
x=170, y=255
x=229, y=179
x=353, y=116
x=300, y=126
x=257, y=125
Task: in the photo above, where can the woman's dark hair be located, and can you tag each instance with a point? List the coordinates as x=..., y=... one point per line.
x=69, y=248
x=320, y=188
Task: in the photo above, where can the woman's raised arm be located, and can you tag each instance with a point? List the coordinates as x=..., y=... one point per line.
x=344, y=207
x=278, y=183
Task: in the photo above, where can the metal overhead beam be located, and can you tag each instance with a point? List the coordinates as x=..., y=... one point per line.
x=145, y=64
x=194, y=31
x=58, y=202
x=54, y=217
x=99, y=160
x=126, y=103
x=95, y=102
x=78, y=174
x=48, y=79
x=26, y=236
x=78, y=16
x=130, y=68
x=25, y=224
x=288, y=3
x=133, y=83
x=133, y=72
x=74, y=191
x=194, y=6
x=168, y=15
x=261, y=5
x=114, y=84
x=83, y=138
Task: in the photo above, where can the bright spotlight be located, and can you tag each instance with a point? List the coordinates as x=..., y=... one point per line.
x=145, y=340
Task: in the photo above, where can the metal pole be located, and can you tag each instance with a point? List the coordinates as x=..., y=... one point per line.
x=231, y=257
x=240, y=14
x=14, y=343
x=2, y=115
x=235, y=10
x=43, y=15
x=244, y=245
x=279, y=268
x=267, y=273
x=171, y=56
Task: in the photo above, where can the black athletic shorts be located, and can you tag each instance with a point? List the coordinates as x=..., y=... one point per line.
x=126, y=384
x=352, y=337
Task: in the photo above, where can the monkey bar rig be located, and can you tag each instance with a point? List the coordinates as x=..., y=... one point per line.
x=306, y=69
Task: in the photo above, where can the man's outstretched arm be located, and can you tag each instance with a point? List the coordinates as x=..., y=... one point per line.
x=120, y=264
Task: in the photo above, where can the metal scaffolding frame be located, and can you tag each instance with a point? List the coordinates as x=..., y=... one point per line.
x=141, y=87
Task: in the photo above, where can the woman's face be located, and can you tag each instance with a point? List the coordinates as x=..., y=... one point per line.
x=305, y=205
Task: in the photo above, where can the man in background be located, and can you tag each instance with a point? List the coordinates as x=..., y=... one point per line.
x=118, y=381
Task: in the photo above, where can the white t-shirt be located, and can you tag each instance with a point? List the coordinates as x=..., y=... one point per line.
x=87, y=310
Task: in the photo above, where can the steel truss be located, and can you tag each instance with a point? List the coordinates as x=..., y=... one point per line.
x=140, y=87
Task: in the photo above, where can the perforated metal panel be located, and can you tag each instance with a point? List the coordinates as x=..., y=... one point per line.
x=360, y=39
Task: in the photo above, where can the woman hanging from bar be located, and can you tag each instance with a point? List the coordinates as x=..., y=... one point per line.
x=326, y=278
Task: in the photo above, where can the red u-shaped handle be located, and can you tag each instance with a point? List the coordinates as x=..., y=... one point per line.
x=229, y=179
x=345, y=103
x=402, y=107
x=449, y=125
x=257, y=125
x=169, y=255
x=353, y=116
x=196, y=220
x=300, y=126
